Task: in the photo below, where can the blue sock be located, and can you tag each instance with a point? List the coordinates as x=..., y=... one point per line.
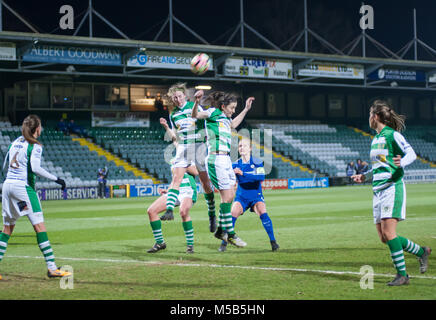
x=233, y=223
x=267, y=224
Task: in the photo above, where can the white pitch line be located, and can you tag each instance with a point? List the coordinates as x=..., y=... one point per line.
x=177, y=264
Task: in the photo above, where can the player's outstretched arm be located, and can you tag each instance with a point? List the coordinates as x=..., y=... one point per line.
x=168, y=130
x=237, y=120
x=195, y=113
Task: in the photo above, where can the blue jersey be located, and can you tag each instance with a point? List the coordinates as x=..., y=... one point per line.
x=250, y=183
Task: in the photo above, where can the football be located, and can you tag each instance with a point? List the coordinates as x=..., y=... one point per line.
x=200, y=63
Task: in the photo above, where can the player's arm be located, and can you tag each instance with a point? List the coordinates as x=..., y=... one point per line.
x=258, y=174
x=238, y=172
x=365, y=176
x=195, y=113
x=35, y=162
x=169, y=132
x=237, y=120
x=409, y=153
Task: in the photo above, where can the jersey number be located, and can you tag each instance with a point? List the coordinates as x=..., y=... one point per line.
x=14, y=163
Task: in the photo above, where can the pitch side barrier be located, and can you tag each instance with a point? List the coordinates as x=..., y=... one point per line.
x=131, y=191
x=152, y=190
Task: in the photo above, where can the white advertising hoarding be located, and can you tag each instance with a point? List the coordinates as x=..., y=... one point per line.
x=8, y=51
x=258, y=68
x=332, y=70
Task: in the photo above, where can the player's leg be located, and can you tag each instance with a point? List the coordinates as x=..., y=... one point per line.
x=173, y=192
x=237, y=210
x=10, y=215
x=260, y=209
x=185, y=206
x=158, y=206
x=380, y=233
x=37, y=221
x=408, y=245
x=5, y=235
x=388, y=227
x=213, y=171
x=209, y=196
x=227, y=196
x=200, y=163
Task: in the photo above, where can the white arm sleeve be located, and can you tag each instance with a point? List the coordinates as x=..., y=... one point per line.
x=410, y=154
x=35, y=162
x=209, y=111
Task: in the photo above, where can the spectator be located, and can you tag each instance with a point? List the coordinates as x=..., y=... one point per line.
x=62, y=126
x=101, y=178
x=359, y=167
x=350, y=170
x=76, y=129
x=365, y=167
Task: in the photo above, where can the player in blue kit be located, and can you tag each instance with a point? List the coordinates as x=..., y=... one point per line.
x=250, y=173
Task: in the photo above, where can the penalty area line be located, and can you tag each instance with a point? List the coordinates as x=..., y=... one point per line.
x=204, y=265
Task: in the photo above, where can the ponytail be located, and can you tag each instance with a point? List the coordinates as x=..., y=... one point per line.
x=388, y=116
x=217, y=99
x=28, y=129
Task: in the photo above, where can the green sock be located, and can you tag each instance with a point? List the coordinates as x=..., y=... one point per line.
x=47, y=251
x=4, y=238
x=397, y=255
x=156, y=227
x=411, y=247
x=227, y=224
x=172, y=198
x=210, y=200
x=189, y=232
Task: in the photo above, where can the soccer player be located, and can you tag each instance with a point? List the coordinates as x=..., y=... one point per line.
x=19, y=197
x=186, y=199
x=250, y=174
x=219, y=125
x=390, y=153
x=190, y=135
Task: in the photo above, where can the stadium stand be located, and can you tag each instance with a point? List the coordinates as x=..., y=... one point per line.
x=143, y=147
x=136, y=155
x=423, y=140
x=68, y=159
x=328, y=148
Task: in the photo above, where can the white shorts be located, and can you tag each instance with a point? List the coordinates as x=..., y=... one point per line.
x=220, y=171
x=200, y=156
x=185, y=155
x=18, y=199
x=390, y=203
x=185, y=193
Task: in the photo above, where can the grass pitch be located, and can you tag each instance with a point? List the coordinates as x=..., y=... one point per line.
x=325, y=237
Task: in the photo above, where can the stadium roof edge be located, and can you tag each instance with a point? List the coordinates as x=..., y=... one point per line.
x=188, y=47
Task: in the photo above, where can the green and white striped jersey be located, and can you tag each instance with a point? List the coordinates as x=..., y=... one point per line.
x=218, y=130
x=189, y=130
x=25, y=162
x=384, y=147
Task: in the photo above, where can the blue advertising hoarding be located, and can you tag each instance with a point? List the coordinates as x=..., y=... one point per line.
x=308, y=183
x=74, y=55
x=69, y=193
x=152, y=190
x=397, y=75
